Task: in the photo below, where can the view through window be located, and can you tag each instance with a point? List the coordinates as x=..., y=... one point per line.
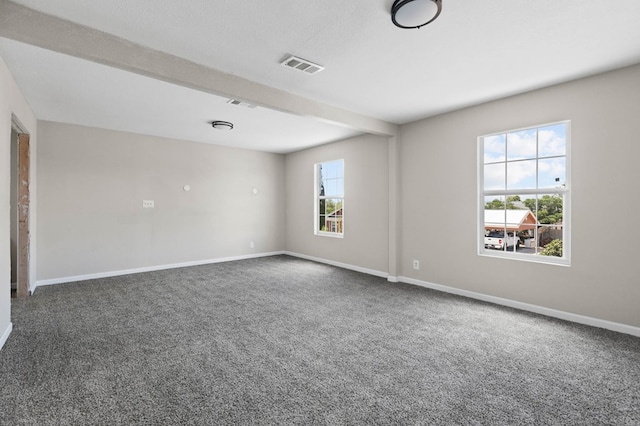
x=329, y=205
x=524, y=194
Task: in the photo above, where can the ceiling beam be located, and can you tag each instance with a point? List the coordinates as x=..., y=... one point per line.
x=26, y=25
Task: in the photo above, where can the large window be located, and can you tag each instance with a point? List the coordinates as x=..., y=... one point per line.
x=329, y=199
x=524, y=194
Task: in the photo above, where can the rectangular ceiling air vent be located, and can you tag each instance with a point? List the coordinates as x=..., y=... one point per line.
x=302, y=65
x=240, y=103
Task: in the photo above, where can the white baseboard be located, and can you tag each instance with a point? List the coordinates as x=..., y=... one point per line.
x=580, y=319
x=5, y=335
x=339, y=264
x=554, y=313
x=75, y=278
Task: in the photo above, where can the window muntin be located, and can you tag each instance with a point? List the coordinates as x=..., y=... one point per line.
x=329, y=205
x=524, y=194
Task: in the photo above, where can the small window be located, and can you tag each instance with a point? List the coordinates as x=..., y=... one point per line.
x=524, y=194
x=329, y=199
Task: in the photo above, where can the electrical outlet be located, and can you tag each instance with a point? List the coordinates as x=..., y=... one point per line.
x=147, y=204
x=251, y=245
x=416, y=264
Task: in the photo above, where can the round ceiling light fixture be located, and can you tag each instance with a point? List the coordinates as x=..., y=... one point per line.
x=222, y=125
x=415, y=13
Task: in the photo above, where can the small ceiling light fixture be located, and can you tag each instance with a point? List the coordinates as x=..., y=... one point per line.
x=415, y=13
x=222, y=125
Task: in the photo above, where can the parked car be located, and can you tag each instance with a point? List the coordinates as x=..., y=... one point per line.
x=497, y=240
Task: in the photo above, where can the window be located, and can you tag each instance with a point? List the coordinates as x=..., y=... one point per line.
x=524, y=194
x=329, y=200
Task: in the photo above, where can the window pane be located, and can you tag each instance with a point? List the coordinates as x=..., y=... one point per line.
x=521, y=145
x=330, y=187
x=322, y=207
x=521, y=174
x=530, y=202
x=494, y=148
x=334, y=215
x=552, y=140
x=552, y=172
x=549, y=209
x=330, y=170
x=497, y=234
x=494, y=176
x=321, y=214
x=510, y=214
x=494, y=218
x=333, y=206
x=323, y=223
x=333, y=187
x=333, y=169
x=550, y=241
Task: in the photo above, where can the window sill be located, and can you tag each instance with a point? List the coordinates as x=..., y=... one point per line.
x=328, y=234
x=535, y=258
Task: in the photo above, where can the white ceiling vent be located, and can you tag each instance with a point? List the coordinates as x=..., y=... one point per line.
x=240, y=103
x=302, y=65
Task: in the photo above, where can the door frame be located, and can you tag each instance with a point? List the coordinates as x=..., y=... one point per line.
x=24, y=208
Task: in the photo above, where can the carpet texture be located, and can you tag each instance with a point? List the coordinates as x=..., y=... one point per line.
x=281, y=340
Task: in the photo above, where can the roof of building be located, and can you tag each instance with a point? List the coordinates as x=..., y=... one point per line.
x=514, y=220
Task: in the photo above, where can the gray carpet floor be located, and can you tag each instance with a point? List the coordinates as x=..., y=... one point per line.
x=281, y=340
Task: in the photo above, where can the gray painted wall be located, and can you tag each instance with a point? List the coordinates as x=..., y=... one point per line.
x=93, y=183
x=366, y=223
x=439, y=199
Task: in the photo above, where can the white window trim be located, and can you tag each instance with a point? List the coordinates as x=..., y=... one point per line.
x=316, y=213
x=565, y=260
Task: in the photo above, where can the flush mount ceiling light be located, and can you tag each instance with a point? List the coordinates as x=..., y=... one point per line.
x=415, y=13
x=222, y=125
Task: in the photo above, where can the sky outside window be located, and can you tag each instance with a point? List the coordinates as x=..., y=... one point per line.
x=534, y=159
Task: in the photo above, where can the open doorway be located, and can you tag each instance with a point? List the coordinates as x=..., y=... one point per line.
x=20, y=206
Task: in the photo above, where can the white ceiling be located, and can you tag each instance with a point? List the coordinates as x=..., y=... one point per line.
x=476, y=51
x=70, y=90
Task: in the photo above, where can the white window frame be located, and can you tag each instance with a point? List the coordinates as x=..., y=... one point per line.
x=564, y=191
x=317, y=198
